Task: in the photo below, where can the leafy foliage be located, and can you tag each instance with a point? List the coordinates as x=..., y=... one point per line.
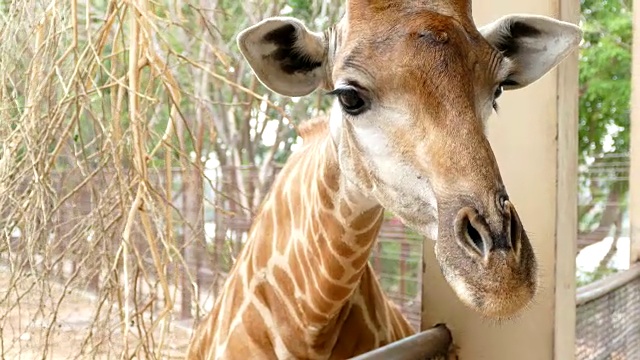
x=605, y=76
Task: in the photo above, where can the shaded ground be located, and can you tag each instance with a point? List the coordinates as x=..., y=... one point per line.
x=81, y=328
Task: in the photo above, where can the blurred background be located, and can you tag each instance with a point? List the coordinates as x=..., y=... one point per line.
x=136, y=145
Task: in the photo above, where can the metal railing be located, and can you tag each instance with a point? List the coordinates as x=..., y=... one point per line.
x=431, y=344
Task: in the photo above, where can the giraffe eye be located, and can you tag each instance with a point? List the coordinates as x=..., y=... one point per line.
x=352, y=102
x=497, y=93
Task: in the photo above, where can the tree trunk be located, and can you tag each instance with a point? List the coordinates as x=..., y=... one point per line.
x=608, y=218
x=614, y=245
x=194, y=241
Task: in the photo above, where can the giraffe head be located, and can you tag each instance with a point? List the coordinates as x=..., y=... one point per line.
x=414, y=84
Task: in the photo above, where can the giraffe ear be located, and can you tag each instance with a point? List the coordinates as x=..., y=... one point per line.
x=534, y=44
x=285, y=56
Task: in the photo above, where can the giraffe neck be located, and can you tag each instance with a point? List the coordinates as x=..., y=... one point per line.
x=314, y=237
x=302, y=287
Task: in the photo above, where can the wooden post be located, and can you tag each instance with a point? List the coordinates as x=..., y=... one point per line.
x=535, y=141
x=634, y=153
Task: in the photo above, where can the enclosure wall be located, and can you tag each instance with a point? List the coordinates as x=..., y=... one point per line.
x=535, y=141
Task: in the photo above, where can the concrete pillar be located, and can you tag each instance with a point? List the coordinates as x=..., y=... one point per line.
x=634, y=171
x=535, y=141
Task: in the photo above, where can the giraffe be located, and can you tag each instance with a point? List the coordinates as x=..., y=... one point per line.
x=413, y=84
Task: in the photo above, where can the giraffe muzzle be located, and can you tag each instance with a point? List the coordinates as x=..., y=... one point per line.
x=487, y=259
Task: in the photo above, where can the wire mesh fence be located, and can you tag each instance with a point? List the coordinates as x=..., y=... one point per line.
x=608, y=318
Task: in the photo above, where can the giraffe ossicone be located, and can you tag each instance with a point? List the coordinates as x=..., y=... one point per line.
x=413, y=83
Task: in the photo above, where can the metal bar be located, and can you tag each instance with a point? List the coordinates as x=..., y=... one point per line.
x=604, y=286
x=424, y=345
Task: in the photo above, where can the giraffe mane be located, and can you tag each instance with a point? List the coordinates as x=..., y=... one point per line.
x=313, y=128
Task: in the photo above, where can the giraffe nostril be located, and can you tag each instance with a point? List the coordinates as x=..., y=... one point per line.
x=475, y=237
x=515, y=228
x=472, y=232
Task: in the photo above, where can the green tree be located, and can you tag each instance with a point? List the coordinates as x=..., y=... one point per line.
x=605, y=87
